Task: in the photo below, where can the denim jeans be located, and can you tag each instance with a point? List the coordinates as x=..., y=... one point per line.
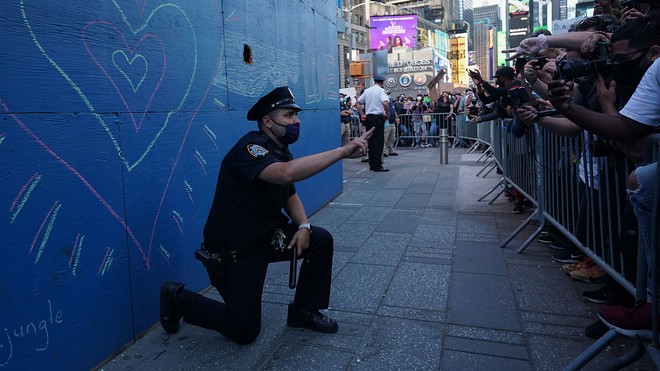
x=641, y=200
x=433, y=132
x=420, y=130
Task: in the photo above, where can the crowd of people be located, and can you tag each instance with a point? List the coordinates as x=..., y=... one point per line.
x=414, y=121
x=600, y=82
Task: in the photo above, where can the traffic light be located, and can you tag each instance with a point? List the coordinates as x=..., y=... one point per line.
x=360, y=69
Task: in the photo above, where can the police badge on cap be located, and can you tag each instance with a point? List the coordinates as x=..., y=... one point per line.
x=281, y=97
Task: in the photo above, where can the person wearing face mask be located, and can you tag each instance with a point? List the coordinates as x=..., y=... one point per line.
x=246, y=230
x=345, y=112
x=629, y=128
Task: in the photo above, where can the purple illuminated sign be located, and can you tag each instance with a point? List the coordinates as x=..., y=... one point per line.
x=392, y=30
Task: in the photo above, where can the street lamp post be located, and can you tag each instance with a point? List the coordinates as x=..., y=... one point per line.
x=349, y=28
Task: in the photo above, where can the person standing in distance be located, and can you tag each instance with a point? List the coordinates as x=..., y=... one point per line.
x=374, y=109
x=246, y=230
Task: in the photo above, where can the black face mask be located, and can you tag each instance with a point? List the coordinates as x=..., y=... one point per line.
x=629, y=73
x=290, y=135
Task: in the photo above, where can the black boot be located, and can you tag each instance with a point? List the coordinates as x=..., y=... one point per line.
x=311, y=319
x=170, y=314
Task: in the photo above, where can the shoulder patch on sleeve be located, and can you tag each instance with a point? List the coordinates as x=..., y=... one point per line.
x=256, y=150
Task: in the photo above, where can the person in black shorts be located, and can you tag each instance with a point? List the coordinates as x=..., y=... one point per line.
x=246, y=230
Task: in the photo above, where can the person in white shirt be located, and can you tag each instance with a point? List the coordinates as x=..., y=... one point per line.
x=374, y=109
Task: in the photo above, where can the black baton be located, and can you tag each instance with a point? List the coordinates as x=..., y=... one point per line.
x=293, y=267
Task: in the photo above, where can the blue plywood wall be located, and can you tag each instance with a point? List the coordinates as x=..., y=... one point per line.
x=114, y=117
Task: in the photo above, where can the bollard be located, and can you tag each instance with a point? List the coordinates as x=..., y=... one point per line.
x=444, y=147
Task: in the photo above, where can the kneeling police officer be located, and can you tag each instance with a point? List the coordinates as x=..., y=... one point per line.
x=246, y=230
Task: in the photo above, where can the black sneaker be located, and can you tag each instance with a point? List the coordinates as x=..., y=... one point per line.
x=556, y=245
x=611, y=295
x=311, y=319
x=599, y=296
x=596, y=330
x=545, y=238
x=518, y=208
x=567, y=256
x=170, y=314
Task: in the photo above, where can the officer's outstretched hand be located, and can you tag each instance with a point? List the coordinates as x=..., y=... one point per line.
x=358, y=146
x=300, y=240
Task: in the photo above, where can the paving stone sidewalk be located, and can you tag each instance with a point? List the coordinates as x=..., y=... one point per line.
x=419, y=283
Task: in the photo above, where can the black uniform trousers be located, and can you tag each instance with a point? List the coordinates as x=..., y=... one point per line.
x=239, y=317
x=376, y=141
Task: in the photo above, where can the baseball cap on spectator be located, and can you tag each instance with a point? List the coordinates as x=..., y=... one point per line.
x=505, y=71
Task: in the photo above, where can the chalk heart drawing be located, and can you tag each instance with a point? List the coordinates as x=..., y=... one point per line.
x=130, y=61
x=150, y=43
x=128, y=67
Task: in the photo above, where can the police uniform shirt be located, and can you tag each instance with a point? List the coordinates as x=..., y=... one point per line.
x=245, y=208
x=373, y=99
x=345, y=107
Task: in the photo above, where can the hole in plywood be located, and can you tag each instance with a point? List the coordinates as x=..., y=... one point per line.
x=247, y=54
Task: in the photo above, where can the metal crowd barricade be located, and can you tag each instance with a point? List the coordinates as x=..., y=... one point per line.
x=431, y=122
x=498, y=144
x=405, y=130
x=356, y=127
x=584, y=197
x=466, y=133
x=642, y=280
x=484, y=137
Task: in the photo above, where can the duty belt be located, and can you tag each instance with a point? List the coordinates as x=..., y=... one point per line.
x=206, y=255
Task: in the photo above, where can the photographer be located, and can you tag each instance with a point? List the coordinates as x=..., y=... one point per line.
x=634, y=47
x=504, y=78
x=630, y=127
x=538, y=71
x=585, y=96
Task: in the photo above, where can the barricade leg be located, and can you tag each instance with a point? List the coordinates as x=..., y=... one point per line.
x=520, y=228
x=502, y=184
x=490, y=166
x=591, y=352
x=484, y=156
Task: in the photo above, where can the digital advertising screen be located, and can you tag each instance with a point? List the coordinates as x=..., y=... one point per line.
x=518, y=29
x=391, y=31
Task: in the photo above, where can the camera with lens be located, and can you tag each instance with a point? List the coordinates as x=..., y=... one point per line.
x=537, y=62
x=600, y=62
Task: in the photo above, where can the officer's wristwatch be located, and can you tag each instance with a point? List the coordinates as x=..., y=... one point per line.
x=306, y=226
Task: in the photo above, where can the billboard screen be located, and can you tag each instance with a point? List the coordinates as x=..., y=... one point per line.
x=392, y=30
x=518, y=29
x=458, y=55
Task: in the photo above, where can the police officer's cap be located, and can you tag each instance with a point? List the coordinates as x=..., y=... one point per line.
x=379, y=78
x=281, y=97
